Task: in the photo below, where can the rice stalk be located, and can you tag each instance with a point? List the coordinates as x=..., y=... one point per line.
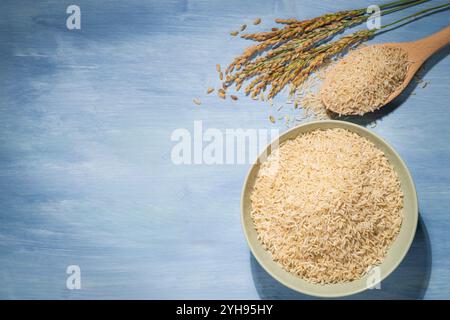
x=288, y=55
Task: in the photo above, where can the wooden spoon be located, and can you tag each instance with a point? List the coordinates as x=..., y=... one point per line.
x=418, y=52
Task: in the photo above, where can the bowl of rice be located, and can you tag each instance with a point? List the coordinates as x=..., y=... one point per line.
x=329, y=209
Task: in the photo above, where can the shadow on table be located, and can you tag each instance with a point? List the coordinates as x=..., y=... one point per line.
x=380, y=113
x=408, y=281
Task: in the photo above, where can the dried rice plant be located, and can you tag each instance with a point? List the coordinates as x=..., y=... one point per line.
x=288, y=55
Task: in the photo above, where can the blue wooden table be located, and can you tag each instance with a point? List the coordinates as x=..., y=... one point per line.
x=86, y=174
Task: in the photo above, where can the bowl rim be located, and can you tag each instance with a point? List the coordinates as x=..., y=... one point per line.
x=252, y=245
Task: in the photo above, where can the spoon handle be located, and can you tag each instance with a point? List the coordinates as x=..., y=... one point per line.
x=429, y=45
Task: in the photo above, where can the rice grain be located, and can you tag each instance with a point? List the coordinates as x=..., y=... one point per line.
x=362, y=81
x=327, y=206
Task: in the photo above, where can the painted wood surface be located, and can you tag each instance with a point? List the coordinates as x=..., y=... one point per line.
x=86, y=176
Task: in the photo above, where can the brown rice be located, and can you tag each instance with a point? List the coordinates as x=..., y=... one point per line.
x=327, y=205
x=362, y=81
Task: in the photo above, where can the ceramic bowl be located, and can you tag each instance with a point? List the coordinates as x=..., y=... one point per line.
x=396, y=252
